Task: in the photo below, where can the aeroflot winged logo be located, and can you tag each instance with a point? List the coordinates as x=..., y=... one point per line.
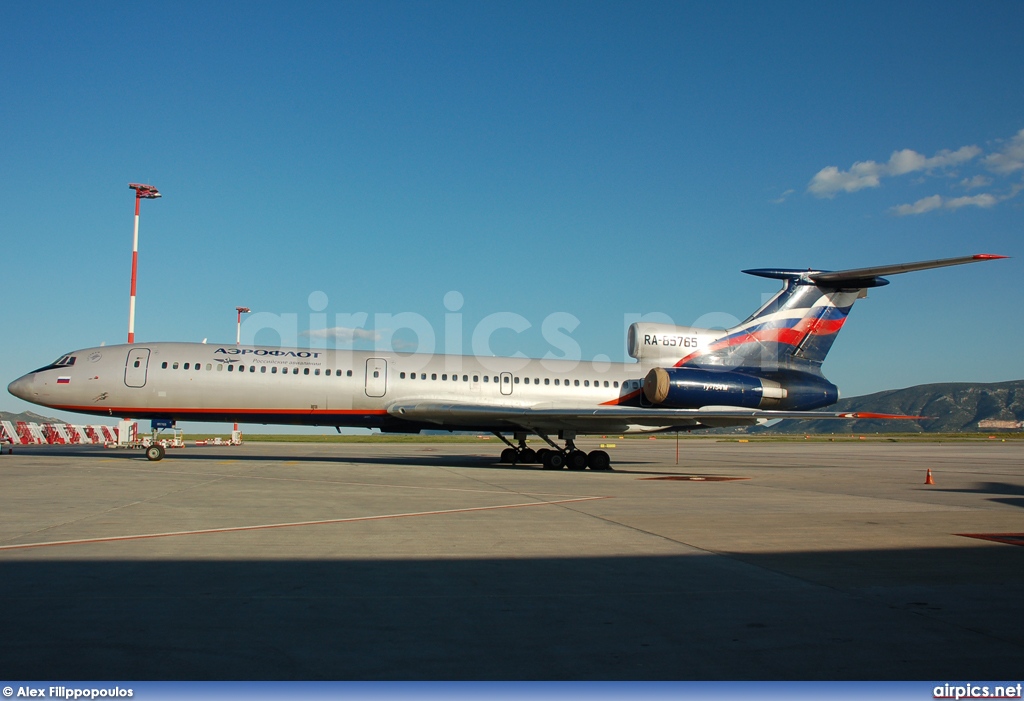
x=274, y=353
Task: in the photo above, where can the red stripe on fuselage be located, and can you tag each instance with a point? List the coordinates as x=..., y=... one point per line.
x=623, y=399
x=787, y=336
x=128, y=411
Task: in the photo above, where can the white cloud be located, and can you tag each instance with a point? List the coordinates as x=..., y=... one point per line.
x=976, y=201
x=926, y=204
x=976, y=181
x=1010, y=158
x=929, y=204
x=830, y=181
x=784, y=197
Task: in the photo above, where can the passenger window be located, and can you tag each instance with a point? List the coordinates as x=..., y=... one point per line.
x=547, y=380
x=476, y=378
x=423, y=375
x=586, y=383
x=174, y=366
x=295, y=371
x=465, y=378
x=327, y=372
x=433, y=376
x=401, y=375
x=487, y=378
x=495, y=378
x=263, y=368
x=305, y=371
x=252, y=368
x=184, y=367
x=606, y=383
x=556, y=383
x=231, y=368
x=445, y=376
x=273, y=370
x=163, y=365
x=317, y=371
x=376, y=373
x=515, y=380
x=220, y=367
x=615, y=384
x=412, y=376
x=576, y=383
x=349, y=373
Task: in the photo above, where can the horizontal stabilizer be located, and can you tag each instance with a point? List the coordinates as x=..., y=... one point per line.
x=864, y=277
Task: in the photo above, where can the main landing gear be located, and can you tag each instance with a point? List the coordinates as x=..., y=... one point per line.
x=556, y=458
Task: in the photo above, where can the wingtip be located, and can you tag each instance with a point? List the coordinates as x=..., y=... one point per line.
x=872, y=415
x=988, y=256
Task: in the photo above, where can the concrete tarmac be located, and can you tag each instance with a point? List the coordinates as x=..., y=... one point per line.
x=431, y=561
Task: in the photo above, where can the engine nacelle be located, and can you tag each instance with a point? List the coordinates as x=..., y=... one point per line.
x=693, y=388
x=665, y=342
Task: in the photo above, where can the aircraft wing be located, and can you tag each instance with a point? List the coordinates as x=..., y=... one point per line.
x=604, y=418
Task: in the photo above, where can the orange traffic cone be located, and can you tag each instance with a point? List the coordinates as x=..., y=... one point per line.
x=928, y=478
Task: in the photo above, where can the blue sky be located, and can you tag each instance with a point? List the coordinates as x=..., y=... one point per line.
x=589, y=160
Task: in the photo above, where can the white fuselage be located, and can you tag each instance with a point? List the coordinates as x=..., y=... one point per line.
x=201, y=382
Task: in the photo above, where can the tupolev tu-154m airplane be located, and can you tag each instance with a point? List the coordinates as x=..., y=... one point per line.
x=767, y=367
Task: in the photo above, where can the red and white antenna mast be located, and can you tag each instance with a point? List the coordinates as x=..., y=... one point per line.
x=141, y=192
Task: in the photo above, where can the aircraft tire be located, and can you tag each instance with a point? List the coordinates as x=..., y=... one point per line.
x=528, y=456
x=155, y=452
x=576, y=460
x=599, y=460
x=508, y=456
x=541, y=453
x=553, y=460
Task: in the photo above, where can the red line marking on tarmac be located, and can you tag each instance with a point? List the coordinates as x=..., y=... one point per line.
x=1008, y=538
x=236, y=529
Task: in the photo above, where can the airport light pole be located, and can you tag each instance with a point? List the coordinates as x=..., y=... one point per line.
x=236, y=436
x=238, y=333
x=147, y=192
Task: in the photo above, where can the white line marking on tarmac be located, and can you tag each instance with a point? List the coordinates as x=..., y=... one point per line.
x=236, y=529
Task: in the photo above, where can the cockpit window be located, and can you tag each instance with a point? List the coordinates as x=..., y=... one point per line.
x=65, y=361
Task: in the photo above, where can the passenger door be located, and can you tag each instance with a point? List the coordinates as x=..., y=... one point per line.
x=376, y=377
x=135, y=367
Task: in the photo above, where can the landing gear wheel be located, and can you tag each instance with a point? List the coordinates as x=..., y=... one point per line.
x=553, y=460
x=528, y=456
x=508, y=456
x=155, y=452
x=541, y=453
x=599, y=460
x=576, y=460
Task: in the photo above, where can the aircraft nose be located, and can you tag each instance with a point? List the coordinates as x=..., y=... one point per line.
x=22, y=387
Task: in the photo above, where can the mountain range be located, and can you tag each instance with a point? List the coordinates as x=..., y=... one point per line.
x=951, y=407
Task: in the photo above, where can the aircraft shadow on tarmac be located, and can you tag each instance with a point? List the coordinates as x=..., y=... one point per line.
x=417, y=456
x=1003, y=492
x=901, y=614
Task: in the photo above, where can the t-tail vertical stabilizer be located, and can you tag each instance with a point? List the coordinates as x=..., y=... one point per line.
x=779, y=348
